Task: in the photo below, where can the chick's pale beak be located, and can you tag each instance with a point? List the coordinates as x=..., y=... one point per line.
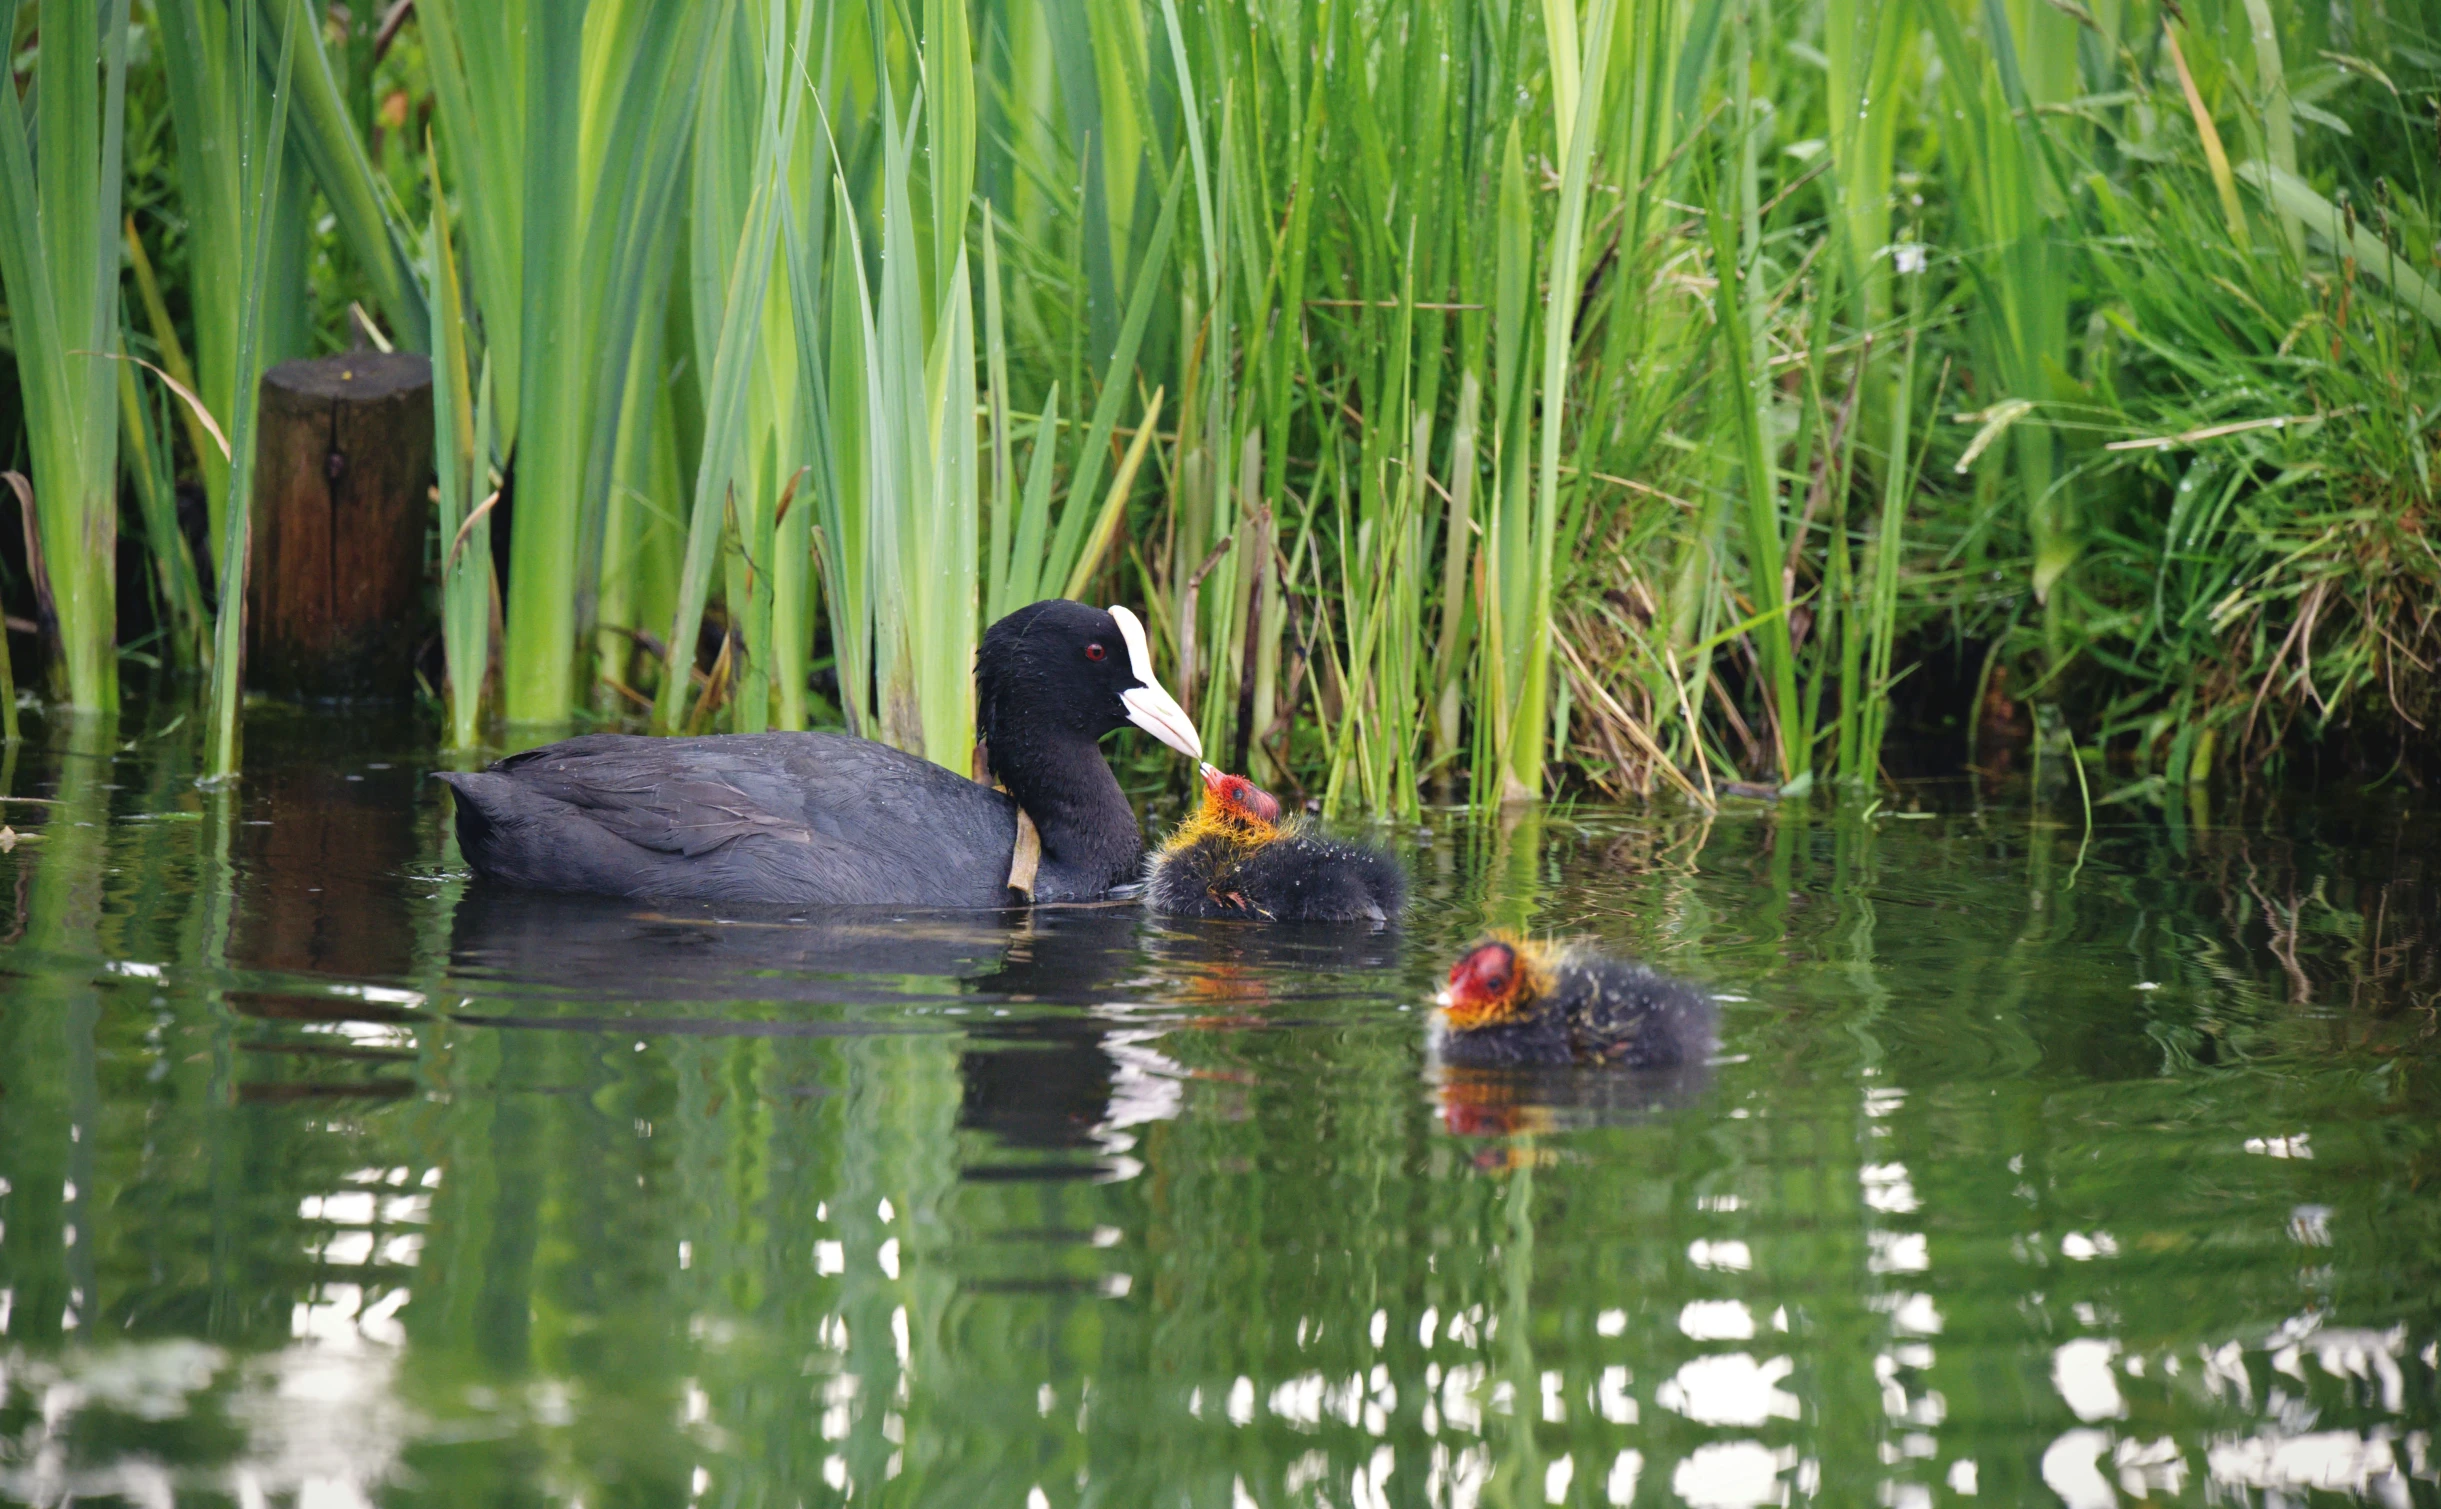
x=1148, y=706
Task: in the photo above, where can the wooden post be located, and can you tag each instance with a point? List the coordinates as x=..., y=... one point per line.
x=335, y=596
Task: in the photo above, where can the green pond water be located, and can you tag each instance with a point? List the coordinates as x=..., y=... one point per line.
x=2040, y=1166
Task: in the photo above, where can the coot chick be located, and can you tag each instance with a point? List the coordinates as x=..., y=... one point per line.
x=1515, y=1003
x=799, y=819
x=1234, y=857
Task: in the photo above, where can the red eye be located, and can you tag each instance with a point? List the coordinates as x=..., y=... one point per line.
x=1093, y=652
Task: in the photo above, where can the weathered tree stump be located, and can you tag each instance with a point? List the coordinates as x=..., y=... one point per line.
x=343, y=466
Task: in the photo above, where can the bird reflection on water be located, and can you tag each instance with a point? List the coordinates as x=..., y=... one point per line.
x=1035, y=1080
x=1060, y=1007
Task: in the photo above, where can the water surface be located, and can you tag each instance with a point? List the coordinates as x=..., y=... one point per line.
x=2041, y=1166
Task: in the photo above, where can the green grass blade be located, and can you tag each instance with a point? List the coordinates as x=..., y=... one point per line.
x=1528, y=728
x=1748, y=393
x=1026, y=580
x=460, y=471
x=228, y=649
x=59, y=257
x=726, y=402
x=1004, y=465
x=145, y=447
x=2297, y=201
x=538, y=648
x=1114, y=506
x=1067, y=545
x=324, y=136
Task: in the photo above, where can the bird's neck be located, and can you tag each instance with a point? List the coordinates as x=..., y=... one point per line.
x=1090, y=842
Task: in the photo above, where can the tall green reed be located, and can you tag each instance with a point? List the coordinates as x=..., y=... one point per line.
x=558, y=121
x=59, y=257
x=177, y=593
x=717, y=513
x=1732, y=211
x=262, y=136
x=185, y=619
x=2004, y=173
x=922, y=488
x=325, y=137
x=461, y=451
x=209, y=64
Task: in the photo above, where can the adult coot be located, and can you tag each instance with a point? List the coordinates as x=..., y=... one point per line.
x=1512, y=1002
x=1233, y=857
x=793, y=819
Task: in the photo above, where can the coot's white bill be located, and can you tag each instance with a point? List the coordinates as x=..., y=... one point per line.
x=1149, y=707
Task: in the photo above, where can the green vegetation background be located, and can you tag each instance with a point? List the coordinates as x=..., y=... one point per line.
x=1657, y=392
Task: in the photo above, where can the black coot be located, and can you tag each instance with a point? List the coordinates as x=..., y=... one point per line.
x=1513, y=1002
x=1233, y=857
x=793, y=819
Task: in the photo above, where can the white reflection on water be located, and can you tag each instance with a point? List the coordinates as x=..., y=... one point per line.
x=1460, y=1475
x=1911, y=1314
x=1733, y=1475
x=1889, y=1191
x=1730, y=1389
x=320, y=1421
x=1365, y=1484
x=1620, y=1486
x=2332, y=1461
x=2146, y=1468
x=1309, y=1399
x=1611, y=1399
x=1898, y=1252
x=1887, y=1188
x=2071, y=1469
x=1726, y=1256
x=1716, y=1320
x=2287, y=1456
x=2357, y=1352
x=1146, y=1084
x=2081, y=1371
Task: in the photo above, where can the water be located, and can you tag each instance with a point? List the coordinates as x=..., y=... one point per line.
x=2039, y=1169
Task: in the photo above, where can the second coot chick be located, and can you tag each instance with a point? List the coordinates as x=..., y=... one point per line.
x=1234, y=857
x=1513, y=1002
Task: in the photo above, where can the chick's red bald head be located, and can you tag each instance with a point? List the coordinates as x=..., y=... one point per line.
x=1490, y=984
x=1241, y=797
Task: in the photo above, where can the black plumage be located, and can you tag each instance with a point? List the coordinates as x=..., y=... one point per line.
x=1522, y=1004
x=798, y=819
x=1234, y=857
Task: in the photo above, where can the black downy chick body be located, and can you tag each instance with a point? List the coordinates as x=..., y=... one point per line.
x=1233, y=857
x=806, y=819
x=1516, y=1003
